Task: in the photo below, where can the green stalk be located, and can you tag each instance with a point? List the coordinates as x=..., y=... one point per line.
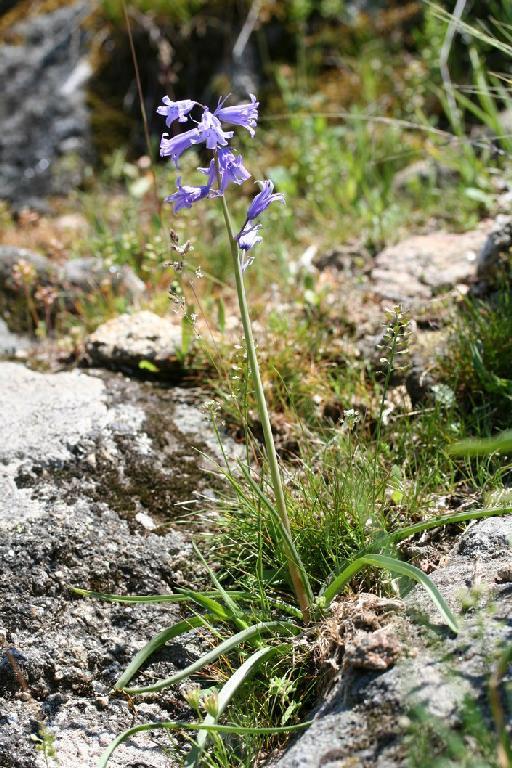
x=298, y=585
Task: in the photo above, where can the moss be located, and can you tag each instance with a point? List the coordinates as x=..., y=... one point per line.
x=130, y=482
x=140, y=486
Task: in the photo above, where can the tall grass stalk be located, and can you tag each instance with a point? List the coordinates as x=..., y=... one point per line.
x=147, y=136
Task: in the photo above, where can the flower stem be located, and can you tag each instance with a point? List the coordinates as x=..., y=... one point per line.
x=297, y=581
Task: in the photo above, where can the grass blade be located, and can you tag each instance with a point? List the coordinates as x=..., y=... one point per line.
x=235, y=611
x=176, y=725
x=225, y=695
x=220, y=650
x=394, y=566
x=157, y=642
x=477, y=32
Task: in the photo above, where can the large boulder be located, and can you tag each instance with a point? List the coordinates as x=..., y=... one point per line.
x=93, y=470
x=45, y=124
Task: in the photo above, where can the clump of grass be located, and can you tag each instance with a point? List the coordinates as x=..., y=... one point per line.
x=329, y=502
x=480, y=364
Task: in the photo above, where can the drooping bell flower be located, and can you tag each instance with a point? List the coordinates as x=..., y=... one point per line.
x=175, y=110
x=231, y=169
x=210, y=131
x=245, y=115
x=263, y=199
x=175, y=146
x=248, y=236
x=186, y=196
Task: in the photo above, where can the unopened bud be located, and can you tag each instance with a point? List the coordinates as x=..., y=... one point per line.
x=211, y=704
x=193, y=696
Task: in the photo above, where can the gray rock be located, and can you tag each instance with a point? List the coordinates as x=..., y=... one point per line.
x=82, y=460
x=10, y=256
x=422, y=173
x=45, y=124
x=126, y=341
x=495, y=258
x=50, y=411
x=89, y=273
x=362, y=722
x=12, y=345
x=424, y=265
x=71, y=280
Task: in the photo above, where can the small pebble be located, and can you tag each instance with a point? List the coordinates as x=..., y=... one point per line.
x=504, y=575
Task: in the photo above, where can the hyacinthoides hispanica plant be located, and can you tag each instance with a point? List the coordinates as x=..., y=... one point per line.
x=251, y=616
x=227, y=168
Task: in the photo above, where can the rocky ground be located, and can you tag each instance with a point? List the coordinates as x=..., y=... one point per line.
x=364, y=720
x=95, y=471
x=98, y=471
x=104, y=475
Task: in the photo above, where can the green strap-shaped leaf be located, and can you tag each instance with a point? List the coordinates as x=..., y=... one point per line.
x=285, y=607
x=394, y=566
x=207, y=602
x=435, y=522
x=473, y=446
x=275, y=627
x=157, y=642
x=179, y=597
x=225, y=695
x=176, y=725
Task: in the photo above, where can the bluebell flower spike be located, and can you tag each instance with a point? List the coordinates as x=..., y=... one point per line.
x=226, y=167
